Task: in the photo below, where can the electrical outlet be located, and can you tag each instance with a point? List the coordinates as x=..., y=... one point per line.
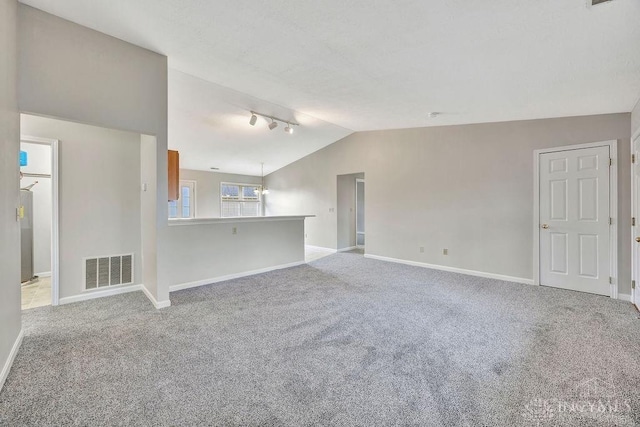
x=234, y=230
x=330, y=209
x=445, y=251
x=421, y=249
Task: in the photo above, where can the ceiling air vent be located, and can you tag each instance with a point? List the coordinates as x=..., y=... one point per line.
x=110, y=270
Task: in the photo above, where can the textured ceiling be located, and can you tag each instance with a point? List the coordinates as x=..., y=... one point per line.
x=376, y=64
x=209, y=125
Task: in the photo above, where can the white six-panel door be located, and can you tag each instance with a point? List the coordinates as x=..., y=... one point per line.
x=574, y=220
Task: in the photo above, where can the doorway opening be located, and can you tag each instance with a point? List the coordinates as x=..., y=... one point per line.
x=350, y=212
x=97, y=214
x=38, y=215
x=360, y=213
x=575, y=218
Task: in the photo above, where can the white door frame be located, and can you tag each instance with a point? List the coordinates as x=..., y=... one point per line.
x=635, y=297
x=357, y=232
x=55, y=225
x=613, y=208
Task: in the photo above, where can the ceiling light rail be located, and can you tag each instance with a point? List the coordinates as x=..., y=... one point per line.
x=274, y=121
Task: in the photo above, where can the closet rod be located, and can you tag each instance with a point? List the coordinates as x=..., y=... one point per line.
x=35, y=175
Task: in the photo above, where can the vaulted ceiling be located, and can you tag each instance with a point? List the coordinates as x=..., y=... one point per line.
x=342, y=66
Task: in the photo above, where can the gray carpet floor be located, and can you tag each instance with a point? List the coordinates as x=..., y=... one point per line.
x=342, y=341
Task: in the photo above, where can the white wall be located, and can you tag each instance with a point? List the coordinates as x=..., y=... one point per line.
x=465, y=188
x=208, y=189
x=71, y=72
x=9, y=187
x=99, y=194
x=200, y=252
x=148, y=206
x=38, y=158
x=39, y=161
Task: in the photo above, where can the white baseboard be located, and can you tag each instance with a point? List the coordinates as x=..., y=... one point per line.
x=115, y=291
x=43, y=274
x=454, y=269
x=12, y=356
x=204, y=282
x=85, y=296
x=350, y=248
x=156, y=304
x=624, y=297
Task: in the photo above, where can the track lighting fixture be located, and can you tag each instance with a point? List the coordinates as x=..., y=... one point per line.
x=274, y=122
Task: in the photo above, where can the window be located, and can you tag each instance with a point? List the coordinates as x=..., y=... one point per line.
x=240, y=200
x=184, y=207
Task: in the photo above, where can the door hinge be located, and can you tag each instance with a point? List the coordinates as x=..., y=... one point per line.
x=633, y=221
x=633, y=284
x=633, y=158
x=610, y=162
x=610, y=220
x=611, y=280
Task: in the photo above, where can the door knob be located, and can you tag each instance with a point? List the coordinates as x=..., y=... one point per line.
x=638, y=239
x=545, y=226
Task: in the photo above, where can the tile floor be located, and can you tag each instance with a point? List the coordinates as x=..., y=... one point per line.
x=312, y=253
x=37, y=294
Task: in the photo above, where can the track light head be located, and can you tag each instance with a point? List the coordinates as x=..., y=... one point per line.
x=275, y=121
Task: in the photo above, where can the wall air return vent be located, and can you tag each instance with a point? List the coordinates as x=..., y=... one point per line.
x=103, y=271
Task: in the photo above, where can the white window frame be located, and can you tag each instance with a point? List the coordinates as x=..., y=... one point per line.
x=192, y=204
x=240, y=198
